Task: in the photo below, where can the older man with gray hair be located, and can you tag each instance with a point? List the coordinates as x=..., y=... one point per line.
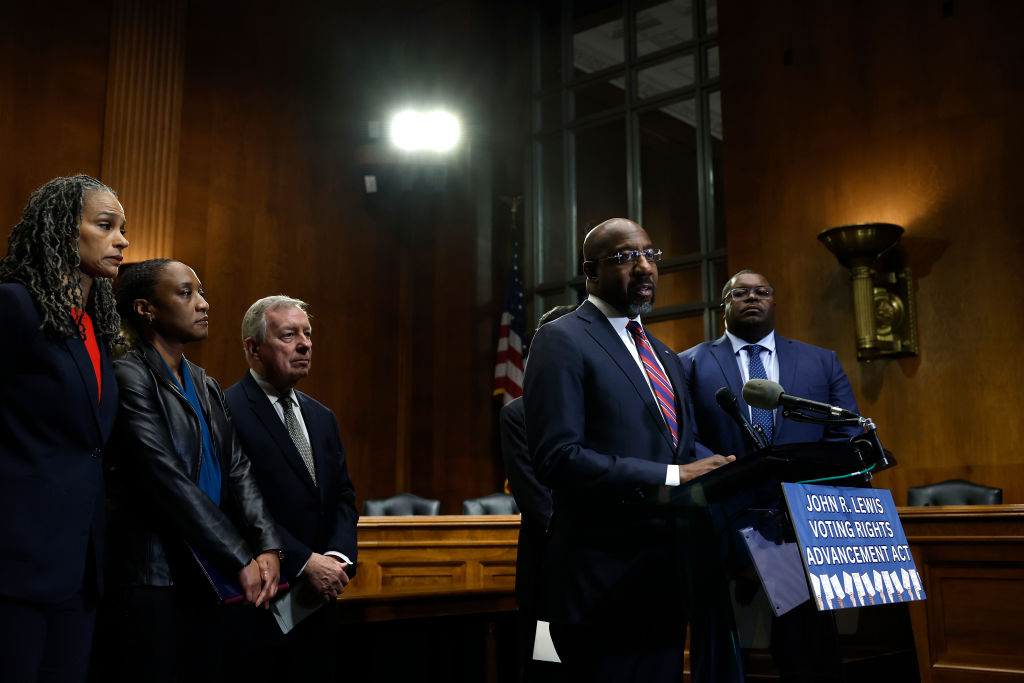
x=299, y=462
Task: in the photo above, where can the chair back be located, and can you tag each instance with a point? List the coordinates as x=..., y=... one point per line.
x=494, y=504
x=401, y=504
x=954, y=492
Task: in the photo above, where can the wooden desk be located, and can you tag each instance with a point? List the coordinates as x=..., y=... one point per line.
x=432, y=566
x=971, y=559
x=432, y=601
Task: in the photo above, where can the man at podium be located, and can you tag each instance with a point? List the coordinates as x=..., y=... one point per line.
x=606, y=415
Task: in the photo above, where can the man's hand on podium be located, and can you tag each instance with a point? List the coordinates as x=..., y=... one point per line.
x=703, y=466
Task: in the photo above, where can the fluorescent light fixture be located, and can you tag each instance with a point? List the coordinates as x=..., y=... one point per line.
x=436, y=131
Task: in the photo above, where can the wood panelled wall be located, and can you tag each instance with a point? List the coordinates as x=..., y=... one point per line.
x=902, y=112
x=275, y=103
x=143, y=118
x=835, y=113
x=53, y=80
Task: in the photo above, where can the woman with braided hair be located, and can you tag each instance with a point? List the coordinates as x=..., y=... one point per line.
x=58, y=402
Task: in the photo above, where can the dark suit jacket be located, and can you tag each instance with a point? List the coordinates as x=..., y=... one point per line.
x=804, y=370
x=533, y=499
x=52, y=435
x=311, y=518
x=596, y=436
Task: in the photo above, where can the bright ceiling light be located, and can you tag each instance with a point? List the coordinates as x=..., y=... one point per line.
x=415, y=131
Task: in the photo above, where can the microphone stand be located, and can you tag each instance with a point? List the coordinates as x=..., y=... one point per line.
x=881, y=459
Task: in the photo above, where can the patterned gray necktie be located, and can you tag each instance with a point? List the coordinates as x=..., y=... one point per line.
x=298, y=438
x=755, y=368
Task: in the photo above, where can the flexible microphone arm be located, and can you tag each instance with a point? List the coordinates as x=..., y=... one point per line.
x=797, y=416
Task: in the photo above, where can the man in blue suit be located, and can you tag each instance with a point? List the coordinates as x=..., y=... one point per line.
x=803, y=642
x=748, y=301
x=607, y=414
x=298, y=459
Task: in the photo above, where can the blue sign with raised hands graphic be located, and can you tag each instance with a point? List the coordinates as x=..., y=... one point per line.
x=853, y=546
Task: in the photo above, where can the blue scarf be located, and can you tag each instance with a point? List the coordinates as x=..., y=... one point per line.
x=209, y=465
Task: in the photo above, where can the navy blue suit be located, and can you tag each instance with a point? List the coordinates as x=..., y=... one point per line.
x=310, y=517
x=803, y=642
x=53, y=427
x=804, y=370
x=597, y=436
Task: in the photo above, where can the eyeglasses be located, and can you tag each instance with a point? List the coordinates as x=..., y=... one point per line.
x=620, y=257
x=740, y=293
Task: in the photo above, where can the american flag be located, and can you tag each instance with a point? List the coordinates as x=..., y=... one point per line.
x=508, y=371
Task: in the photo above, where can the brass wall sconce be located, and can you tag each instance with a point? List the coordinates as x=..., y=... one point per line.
x=883, y=290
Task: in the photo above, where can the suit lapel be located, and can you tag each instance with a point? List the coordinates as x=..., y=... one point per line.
x=604, y=334
x=80, y=355
x=723, y=354
x=787, y=375
x=267, y=415
x=108, y=403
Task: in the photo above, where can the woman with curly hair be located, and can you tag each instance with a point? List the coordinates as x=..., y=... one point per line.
x=182, y=494
x=58, y=402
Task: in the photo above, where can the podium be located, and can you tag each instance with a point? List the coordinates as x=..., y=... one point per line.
x=729, y=614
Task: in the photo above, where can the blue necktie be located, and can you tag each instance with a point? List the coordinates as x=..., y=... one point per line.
x=755, y=368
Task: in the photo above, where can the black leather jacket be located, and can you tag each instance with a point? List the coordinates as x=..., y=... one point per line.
x=152, y=468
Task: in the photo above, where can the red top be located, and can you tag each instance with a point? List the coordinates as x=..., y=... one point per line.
x=93, y=347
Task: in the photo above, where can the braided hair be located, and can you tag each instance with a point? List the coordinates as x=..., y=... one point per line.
x=137, y=281
x=42, y=255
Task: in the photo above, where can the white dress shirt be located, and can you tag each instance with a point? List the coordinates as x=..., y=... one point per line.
x=769, y=359
x=619, y=322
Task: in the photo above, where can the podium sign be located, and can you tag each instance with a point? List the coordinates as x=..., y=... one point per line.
x=852, y=545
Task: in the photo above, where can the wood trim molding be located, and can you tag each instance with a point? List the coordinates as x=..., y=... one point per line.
x=142, y=126
x=453, y=554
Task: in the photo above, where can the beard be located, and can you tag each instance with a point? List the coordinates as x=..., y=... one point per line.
x=635, y=307
x=640, y=308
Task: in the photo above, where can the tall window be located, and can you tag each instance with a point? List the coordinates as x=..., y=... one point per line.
x=627, y=121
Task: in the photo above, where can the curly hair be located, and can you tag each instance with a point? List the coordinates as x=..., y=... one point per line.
x=137, y=281
x=42, y=255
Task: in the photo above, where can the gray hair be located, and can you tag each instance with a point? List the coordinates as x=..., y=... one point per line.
x=254, y=322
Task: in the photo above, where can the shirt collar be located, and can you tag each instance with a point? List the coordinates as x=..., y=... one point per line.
x=617, y=320
x=767, y=342
x=272, y=393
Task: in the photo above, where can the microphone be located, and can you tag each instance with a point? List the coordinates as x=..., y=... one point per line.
x=768, y=395
x=728, y=402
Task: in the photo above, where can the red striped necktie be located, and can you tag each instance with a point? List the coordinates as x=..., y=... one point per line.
x=659, y=382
